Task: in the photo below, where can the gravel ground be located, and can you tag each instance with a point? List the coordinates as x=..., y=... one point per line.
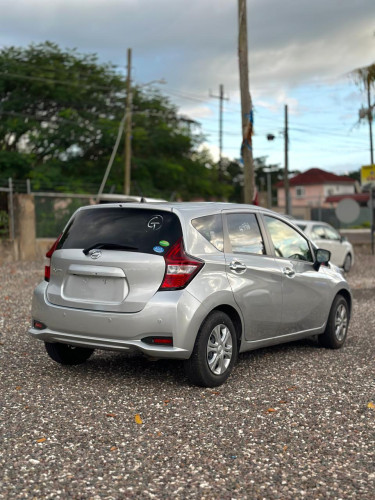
x=293, y=421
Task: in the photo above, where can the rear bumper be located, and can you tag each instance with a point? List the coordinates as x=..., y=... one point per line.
x=176, y=313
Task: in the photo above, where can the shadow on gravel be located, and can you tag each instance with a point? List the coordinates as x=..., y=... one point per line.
x=132, y=366
x=309, y=343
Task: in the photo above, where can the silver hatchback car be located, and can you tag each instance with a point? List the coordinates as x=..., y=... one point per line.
x=199, y=282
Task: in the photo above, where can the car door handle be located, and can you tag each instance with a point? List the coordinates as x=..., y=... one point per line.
x=238, y=267
x=288, y=271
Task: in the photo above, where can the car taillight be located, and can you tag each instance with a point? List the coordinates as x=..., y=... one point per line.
x=180, y=268
x=47, y=268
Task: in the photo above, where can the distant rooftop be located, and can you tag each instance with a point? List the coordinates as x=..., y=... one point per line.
x=361, y=198
x=317, y=176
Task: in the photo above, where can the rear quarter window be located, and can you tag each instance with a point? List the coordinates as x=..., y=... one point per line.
x=211, y=228
x=146, y=230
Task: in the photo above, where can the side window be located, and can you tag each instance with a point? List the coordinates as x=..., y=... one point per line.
x=211, y=228
x=288, y=243
x=318, y=232
x=244, y=234
x=331, y=234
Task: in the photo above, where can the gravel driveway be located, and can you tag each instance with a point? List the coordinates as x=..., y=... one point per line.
x=293, y=421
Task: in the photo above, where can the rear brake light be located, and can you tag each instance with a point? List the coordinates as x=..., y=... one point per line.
x=180, y=268
x=47, y=268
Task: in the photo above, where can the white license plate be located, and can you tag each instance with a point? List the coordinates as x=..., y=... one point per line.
x=95, y=289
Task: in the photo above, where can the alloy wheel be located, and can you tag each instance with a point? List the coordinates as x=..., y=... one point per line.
x=219, y=349
x=341, y=322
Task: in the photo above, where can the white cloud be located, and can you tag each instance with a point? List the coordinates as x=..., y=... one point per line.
x=212, y=148
x=196, y=112
x=293, y=45
x=196, y=47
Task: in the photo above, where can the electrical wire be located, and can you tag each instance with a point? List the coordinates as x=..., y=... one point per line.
x=53, y=80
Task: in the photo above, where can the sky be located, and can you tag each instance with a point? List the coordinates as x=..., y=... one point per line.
x=301, y=53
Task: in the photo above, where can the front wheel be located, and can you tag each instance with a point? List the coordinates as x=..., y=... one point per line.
x=337, y=325
x=215, y=351
x=347, y=263
x=67, y=354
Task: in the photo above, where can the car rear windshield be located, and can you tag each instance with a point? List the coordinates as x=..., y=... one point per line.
x=141, y=230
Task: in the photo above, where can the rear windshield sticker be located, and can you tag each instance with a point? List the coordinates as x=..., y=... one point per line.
x=155, y=223
x=164, y=243
x=158, y=249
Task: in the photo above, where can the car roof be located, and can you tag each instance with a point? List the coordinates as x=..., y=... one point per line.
x=185, y=209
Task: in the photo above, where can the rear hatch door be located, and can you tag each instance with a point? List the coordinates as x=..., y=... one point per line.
x=111, y=258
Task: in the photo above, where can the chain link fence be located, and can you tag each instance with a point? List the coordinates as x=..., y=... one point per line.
x=52, y=212
x=329, y=215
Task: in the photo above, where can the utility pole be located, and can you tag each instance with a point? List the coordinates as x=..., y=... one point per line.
x=128, y=126
x=369, y=110
x=246, y=104
x=286, y=164
x=221, y=99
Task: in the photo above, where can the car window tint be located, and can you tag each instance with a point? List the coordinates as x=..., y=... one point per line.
x=288, y=243
x=244, y=234
x=331, y=234
x=318, y=232
x=302, y=226
x=146, y=230
x=211, y=228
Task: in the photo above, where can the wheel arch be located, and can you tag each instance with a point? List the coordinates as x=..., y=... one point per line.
x=347, y=296
x=235, y=318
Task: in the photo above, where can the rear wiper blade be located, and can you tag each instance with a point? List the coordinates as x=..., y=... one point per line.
x=108, y=246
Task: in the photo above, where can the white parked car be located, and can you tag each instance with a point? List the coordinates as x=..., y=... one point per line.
x=325, y=236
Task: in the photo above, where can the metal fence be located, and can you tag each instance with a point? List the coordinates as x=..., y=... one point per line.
x=53, y=210
x=329, y=215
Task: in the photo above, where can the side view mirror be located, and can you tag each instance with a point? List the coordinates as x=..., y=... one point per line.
x=321, y=257
x=343, y=238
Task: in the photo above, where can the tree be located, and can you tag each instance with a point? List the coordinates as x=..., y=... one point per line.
x=366, y=77
x=234, y=176
x=356, y=175
x=60, y=112
x=56, y=107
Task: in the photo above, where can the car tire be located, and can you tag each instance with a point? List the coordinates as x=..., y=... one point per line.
x=347, y=263
x=215, y=351
x=337, y=325
x=66, y=354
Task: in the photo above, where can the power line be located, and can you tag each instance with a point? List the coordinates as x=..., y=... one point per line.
x=53, y=80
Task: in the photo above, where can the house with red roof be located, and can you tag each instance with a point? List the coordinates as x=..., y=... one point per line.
x=314, y=188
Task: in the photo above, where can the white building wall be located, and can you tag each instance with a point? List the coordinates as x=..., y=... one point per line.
x=333, y=189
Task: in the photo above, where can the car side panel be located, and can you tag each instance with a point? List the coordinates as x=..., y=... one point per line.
x=307, y=297
x=211, y=286
x=258, y=293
